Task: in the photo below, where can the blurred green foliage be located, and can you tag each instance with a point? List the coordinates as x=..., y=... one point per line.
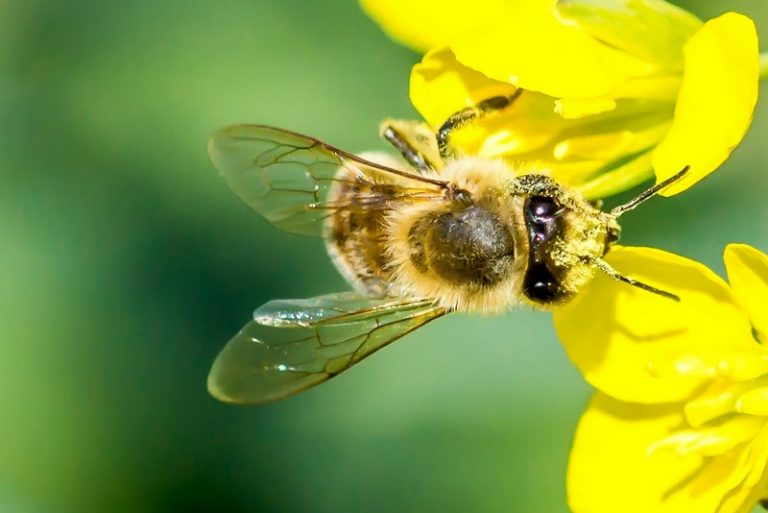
x=126, y=264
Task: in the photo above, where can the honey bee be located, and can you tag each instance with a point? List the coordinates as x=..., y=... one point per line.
x=439, y=233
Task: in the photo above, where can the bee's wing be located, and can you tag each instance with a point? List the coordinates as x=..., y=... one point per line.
x=286, y=177
x=292, y=345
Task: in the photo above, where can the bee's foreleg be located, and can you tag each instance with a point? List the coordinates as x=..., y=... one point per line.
x=464, y=116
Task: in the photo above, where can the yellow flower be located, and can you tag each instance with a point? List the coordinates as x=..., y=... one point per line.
x=680, y=422
x=613, y=89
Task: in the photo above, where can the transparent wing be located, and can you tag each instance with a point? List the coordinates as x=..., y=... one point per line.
x=292, y=345
x=286, y=177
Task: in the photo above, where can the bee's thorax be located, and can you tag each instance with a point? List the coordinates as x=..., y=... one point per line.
x=462, y=252
x=466, y=245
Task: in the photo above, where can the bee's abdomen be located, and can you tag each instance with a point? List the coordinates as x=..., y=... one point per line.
x=356, y=235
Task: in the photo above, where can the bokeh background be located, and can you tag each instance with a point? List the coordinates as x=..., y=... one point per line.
x=125, y=264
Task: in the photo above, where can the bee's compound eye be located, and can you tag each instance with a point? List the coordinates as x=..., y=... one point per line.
x=540, y=284
x=542, y=209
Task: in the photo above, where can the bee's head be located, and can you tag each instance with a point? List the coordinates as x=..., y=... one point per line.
x=564, y=234
x=568, y=238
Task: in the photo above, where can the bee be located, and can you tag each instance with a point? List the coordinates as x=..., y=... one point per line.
x=416, y=240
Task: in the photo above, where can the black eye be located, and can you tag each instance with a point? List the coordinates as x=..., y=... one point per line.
x=541, y=214
x=542, y=210
x=540, y=283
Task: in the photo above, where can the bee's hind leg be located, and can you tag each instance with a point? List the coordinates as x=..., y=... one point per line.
x=414, y=141
x=464, y=116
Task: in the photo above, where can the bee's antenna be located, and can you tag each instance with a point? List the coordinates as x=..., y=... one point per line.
x=613, y=273
x=648, y=194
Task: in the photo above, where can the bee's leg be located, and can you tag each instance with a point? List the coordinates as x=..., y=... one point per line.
x=616, y=275
x=464, y=116
x=414, y=142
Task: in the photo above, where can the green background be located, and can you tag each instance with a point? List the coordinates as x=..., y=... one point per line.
x=125, y=264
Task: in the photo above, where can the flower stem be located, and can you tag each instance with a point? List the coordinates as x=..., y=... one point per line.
x=763, y=66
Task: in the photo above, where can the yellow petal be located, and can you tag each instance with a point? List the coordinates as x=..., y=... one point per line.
x=716, y=101
x=758, y=460
x=673, y=364
x=744, y=365
x=656, y=87
x=425, y=24
x=653, y=30
x=538, y=53
x=713, y=440
x=613, y=469
x=603, y=146
x=573, y=172
x=748, y=274
x=572, y=108
x=717, y=400
x=441, y=86
x=617, y=180
x=747, y=485
x=616, y=334
x=721, y=398
x=754, y=402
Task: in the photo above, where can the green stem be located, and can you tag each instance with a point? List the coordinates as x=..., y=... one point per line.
x=763, y=66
